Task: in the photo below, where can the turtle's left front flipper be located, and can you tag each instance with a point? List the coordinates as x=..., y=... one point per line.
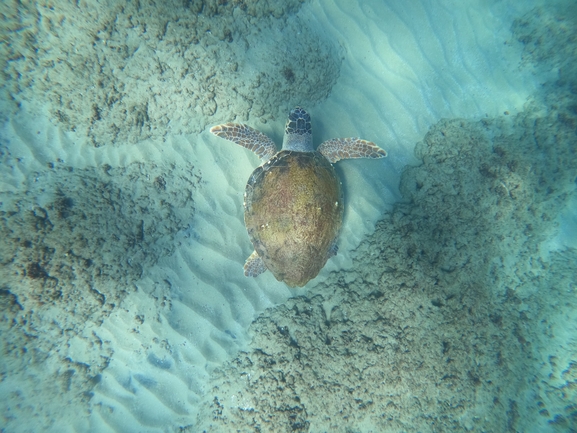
x=247, y=137
x=347, y=148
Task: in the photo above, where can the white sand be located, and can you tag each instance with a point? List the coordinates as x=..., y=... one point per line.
x=404, y=67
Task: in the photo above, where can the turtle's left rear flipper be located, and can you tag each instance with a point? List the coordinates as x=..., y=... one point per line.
x=254, y=265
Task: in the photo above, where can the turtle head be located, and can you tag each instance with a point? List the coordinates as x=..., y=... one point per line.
x=298, y=132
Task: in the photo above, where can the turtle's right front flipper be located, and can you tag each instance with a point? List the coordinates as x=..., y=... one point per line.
x=350, y=148
x=247, y=137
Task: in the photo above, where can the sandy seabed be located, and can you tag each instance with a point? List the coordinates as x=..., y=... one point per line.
x=122, y=301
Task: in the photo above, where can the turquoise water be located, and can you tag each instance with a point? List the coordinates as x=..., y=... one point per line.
x=452, y=302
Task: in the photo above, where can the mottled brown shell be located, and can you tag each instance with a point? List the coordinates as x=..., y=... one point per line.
x=293, y=214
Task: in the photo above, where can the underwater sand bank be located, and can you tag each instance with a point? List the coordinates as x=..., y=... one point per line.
x=122, y=286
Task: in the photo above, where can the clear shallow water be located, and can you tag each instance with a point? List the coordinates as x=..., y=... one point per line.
x=451, y=304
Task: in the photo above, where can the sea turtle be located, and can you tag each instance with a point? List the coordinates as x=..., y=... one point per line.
x=293, y=201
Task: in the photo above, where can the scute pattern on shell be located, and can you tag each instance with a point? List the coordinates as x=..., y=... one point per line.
x=293, y=214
